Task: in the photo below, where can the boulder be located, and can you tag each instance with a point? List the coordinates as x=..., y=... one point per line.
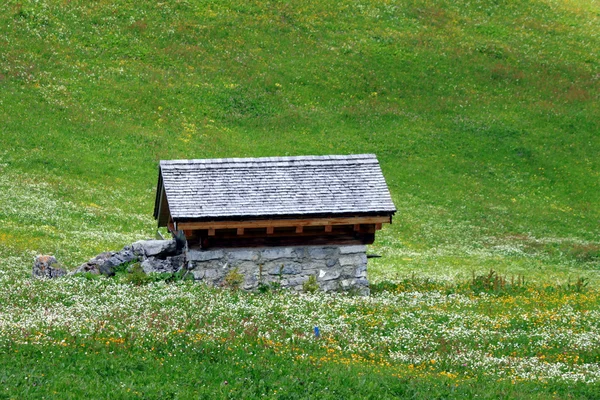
x=47, y=267
x=99, y=265
x=169, y=265
x=154, y=248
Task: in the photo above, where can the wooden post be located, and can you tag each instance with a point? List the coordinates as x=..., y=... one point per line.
x=211, y=231
x=328, y=228
x=299, y=229
x=240, y=231
x=270, y=230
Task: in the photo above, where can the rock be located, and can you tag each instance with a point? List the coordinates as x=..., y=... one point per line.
x=250, y=282
x=156, y=265
x=106, y=263
x=330, y=262
x=98, y=265
x=44, y=267
x=205, y=255
x=155, y=248
x=211, y=274
x=353, y=260
x=286, y=269
x=87, y=268
x=335, y=267
x=329, y=286
x=107, y=268
x=198, y=274
x=243, y=255
x=360, y=271
x=297, y=281
x=328, y=275
x=277, y=252
x=320, y=253
x=124, y=256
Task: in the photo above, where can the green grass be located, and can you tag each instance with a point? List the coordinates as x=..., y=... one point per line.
x=485, y=116
x=415, y=338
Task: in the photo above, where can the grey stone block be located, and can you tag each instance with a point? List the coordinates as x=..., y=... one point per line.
x=360, y=271
x=328, y=275
x=288, y=269
x=353, y=260
x=205, y=255
x=313, y=264
x=320, y=253
x=330, y=286
x=297, y=281
x=361, y=282
x=198, y=274
x=277, y=252
x=250, y=282
x=156, y=265
x=155, y=248
x=211, y=274
x=300, y=252
x=246, y=267
x=122, y=257
x=346, y=283
x=249, y=255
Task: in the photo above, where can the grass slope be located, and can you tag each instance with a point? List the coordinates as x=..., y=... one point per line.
x=485, y=116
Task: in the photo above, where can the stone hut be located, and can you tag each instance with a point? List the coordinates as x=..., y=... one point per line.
x=276, y=219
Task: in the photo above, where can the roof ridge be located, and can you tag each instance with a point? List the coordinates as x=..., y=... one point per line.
x=274, y=160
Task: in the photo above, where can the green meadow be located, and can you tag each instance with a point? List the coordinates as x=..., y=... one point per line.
x=484, y=115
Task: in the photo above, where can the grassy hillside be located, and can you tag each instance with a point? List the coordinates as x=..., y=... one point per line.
x=484, y=115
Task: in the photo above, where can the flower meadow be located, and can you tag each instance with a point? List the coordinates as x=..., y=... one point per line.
x=545, y=339
x=483, y=114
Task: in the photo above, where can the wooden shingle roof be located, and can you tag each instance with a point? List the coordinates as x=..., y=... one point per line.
x=271, y=187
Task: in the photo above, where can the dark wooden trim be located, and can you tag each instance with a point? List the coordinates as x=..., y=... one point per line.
x=212, y=241
x=284, y=223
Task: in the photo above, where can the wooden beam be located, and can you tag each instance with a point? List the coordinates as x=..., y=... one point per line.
x=299, y=229
x=276, y=234
x=284, y=222
x=328, y=228
x=270, y=230
x=240, y=231
x=287, y=241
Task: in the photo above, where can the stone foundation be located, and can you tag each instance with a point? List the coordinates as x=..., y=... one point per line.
x=336, y=268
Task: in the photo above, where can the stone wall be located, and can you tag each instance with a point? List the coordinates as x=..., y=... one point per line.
x=336, y=268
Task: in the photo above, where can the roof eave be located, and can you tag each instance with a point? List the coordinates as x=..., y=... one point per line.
x=159, y=189
x=286, y=216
